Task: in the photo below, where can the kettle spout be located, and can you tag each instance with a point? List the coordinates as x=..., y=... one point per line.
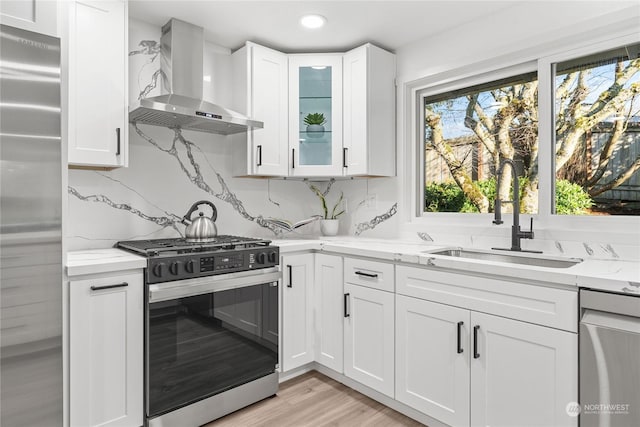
x=186, y=221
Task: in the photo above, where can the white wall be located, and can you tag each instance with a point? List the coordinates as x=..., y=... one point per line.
x=518, y=32
x=515, y=35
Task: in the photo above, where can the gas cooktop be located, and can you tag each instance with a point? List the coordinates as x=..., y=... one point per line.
x=178, y=259
x=155, y=247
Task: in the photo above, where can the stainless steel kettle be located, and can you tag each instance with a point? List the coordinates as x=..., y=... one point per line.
x=201, y=229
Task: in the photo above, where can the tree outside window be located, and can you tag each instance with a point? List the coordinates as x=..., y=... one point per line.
x=597, y=125
x=469, y=132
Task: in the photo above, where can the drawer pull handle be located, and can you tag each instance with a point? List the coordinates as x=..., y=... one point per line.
x=460, y=350
x=361, y=273
x=117, y=141
x=476, y=355
x=101, y=288
x=346, y=305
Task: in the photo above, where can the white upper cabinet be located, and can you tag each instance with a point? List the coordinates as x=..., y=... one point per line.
x=260, y=85
x=315, y=115
x=369, y=139
x=325, y=115
x=39, y=16
x=97, y=125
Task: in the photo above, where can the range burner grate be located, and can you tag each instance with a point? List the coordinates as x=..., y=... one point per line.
x=155, y=247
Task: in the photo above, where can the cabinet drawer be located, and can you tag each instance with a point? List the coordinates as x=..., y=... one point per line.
x=545, y=306
x=372, y=274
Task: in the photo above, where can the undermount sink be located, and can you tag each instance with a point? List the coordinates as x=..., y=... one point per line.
x=511, y=258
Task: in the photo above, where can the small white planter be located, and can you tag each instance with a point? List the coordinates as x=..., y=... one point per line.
x=329, y=227
x=315, y=131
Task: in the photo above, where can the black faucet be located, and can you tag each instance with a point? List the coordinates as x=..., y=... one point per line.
x=516, y=233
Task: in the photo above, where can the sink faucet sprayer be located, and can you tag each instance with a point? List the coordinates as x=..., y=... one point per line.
x=516, y=233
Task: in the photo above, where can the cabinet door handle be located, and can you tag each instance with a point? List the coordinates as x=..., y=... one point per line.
x=293, y=158
x=290, y=270
x=344, y=157
x=259, y=155
x=476, y=355
x=117, y=141
x=361, y=273
x=101, y=288
x=460, y=350
x=346, y=305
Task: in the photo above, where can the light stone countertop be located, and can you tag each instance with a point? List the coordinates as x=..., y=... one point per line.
x=607, y=275
x=95, y=261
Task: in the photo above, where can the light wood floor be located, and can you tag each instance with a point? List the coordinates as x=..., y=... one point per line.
x=313, y=399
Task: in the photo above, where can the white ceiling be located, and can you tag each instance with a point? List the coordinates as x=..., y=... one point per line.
x=389, y=24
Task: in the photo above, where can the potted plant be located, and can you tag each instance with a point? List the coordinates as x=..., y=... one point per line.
x=329, y=225
x=315, y=124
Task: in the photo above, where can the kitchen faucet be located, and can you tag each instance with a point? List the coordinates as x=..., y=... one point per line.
x=516, y=233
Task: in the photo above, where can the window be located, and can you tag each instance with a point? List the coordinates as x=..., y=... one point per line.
x=467, y=135
x=590, y=165
x=597, y=133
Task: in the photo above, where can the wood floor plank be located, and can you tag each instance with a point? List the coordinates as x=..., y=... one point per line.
x=311, y=400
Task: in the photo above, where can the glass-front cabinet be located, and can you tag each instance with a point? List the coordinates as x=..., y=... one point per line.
x=315, y=122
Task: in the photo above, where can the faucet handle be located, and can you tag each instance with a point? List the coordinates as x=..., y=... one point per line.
x=497, y=211
x=529, y=234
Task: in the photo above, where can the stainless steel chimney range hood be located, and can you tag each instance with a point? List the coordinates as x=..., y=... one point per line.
x=182, y=106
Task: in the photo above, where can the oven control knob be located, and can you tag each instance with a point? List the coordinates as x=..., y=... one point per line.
x=174, y=268
x=189, y=266
x=272, y=257
x=158, y=269
x=261, y=258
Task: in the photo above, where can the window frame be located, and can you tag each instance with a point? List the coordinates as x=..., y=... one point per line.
x=415, y=93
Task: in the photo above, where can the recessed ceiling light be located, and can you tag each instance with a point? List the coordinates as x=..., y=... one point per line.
x=313, y=21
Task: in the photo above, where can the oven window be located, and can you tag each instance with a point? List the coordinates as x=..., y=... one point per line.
x=203, y=345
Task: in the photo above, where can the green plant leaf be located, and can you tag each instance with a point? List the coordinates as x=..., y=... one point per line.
x=323, y=201
x=333, y=211
x=314, y=119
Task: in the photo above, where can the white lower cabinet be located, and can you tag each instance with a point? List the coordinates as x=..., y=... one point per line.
x=369, y=337
x=468, y=368
x=106, y=350
x=522, y=374
x=297, y=310
x=329, y=307
x=432, y=370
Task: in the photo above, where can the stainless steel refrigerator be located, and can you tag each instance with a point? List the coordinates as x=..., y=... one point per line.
x=31, y=385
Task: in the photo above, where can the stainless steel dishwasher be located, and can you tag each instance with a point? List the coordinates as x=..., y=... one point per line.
x=609, y=359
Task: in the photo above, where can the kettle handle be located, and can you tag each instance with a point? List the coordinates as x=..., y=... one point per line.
x=214, y=215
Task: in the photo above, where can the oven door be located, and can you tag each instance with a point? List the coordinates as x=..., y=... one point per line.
x=208, y=335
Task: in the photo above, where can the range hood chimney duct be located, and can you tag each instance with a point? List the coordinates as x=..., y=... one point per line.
x=181, y=105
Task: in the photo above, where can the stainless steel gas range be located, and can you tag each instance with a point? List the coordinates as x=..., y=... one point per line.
x=211, y=326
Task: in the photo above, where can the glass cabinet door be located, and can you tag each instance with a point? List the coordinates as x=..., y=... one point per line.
x=316, y=120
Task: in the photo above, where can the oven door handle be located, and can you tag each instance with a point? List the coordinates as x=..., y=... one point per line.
x=203, y=285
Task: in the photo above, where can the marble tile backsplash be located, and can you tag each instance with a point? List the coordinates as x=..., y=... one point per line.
x=170, y=169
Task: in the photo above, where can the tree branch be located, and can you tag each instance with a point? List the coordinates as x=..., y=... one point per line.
x=474, y=125
x=615, y=138
x=621, y=178
x=456, y=167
